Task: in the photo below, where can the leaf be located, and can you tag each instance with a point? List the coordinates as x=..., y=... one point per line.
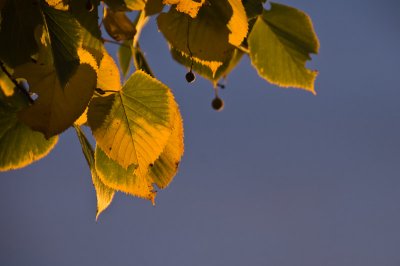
x=104, y=194
x=140, y=61
x=161, y=172
x=122, y=179
x=118, y=25
x=253, y=7
x=238, y=23
x=124, y=55
x=211, y=36
x=90, y=31
x=132, y=126
x=108, y=77
x=56, y=107
x=20, y=18
x=280, y=43
x=126, y=5
x=212, y=71
x=166, y=166
x=153, y=7
x=20, y=146
x=189, y=7
x=58, y=4
x=64, y=35
x=6, y=85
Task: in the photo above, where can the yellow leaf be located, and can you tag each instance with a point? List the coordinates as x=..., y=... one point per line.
x=132, y=126
x=108, y=77
x=165, y=167
x=189, y=7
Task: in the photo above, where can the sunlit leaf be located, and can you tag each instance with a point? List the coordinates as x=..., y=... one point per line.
x=237, y=24
x=161, y=171
x=17, y=41
x=123, y=179
x=280, y=43
x=125, y=57
x=118, y=25
x=6, y=85
x=125, y=5
x=132, y=126
x=56, y=107
x=210, y=36
x=104, y=194
x=19, y=144
x=165, y=167
x=189, y=7
x=108, y=77
x=58, y=4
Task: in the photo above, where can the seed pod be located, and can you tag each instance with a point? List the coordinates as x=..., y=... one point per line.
x=217, y=104
x=190, y=77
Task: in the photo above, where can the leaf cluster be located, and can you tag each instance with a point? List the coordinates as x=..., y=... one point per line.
x=56, y=73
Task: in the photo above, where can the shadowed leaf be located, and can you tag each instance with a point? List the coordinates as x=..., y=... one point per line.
x=20, y=145
x=280, y=43
x=104, y=194
x=118, y=25
x=56, y=107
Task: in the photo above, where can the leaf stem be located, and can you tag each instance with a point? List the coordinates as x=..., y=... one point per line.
x=20, y=88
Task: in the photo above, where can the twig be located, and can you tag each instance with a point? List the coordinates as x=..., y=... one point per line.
x=20, y=88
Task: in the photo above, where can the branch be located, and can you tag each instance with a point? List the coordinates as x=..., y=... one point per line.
x=19, y=87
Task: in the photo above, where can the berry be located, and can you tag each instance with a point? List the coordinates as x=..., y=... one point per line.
x=217, y=104
x=190, y=77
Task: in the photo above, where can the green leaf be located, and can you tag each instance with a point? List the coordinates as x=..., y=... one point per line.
x=280, y=43
x=57, y=108
x=20, y=146
x=125, y=56
x=118, y=25
x=64, y=35
x=90, y=31
x=104, y=194
x=20, y=18
x=140, y=61
x=211, y=35
x=132, y=126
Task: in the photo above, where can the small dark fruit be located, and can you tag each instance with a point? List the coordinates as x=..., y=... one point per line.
x=217, y=104
x=190, y=77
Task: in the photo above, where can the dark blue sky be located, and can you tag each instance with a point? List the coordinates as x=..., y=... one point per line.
x=280, y=177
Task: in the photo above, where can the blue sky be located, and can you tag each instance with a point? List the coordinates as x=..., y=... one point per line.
x=280, y=177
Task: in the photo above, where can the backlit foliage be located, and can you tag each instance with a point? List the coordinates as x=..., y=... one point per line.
x=56, y=74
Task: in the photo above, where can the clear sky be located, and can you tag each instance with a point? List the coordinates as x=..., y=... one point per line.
x=280, y=177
